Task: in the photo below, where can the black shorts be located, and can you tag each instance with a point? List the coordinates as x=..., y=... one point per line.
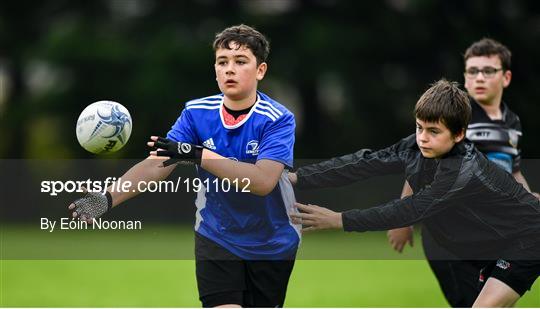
x=458, y=279
x=517, y=274
x=223, y=278
x=518, y=268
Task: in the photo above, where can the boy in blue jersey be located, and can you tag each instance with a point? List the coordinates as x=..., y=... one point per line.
x=245, y=243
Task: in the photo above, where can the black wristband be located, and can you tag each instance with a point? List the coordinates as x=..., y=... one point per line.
x=352, y=221
x=197, y=157
x=197, y=152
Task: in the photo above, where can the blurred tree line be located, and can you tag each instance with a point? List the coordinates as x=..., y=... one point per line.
x=350, y=70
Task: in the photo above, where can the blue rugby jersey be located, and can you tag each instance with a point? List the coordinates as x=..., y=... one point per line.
x=249, y=226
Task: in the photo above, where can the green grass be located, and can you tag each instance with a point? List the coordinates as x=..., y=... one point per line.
x=355, y=280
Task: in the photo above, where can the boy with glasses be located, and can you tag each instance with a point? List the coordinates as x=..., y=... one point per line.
x=495, y=130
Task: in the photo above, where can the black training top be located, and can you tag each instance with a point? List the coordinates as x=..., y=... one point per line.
x=471, y=206
x=497, y=139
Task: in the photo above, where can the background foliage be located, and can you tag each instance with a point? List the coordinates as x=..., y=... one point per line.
x=350, y=70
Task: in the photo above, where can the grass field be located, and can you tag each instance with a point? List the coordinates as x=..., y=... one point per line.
x=334, y=270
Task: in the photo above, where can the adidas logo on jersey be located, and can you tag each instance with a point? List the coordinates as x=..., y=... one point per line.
x=209, y=143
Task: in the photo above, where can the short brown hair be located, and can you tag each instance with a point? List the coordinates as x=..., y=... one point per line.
x=489, y=47
x=445, y=102
x=244, y=36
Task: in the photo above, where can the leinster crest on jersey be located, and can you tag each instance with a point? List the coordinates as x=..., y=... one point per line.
x=252, y=148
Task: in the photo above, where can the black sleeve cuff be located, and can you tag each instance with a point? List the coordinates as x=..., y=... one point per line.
x=350, y=222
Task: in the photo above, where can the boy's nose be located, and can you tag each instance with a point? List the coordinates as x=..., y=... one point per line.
x=480, y=77
x=423, y=138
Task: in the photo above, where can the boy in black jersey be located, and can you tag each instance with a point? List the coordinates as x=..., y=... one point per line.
x=495, y=130
x=469, y=205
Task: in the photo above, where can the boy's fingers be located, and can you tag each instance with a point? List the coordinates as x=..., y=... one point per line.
x=305, y=208
x=160, y=145
x=308, y=229
x=307, y=222
x=296, y=215
x=71, y=206
x=302, y=215
x=161, y=153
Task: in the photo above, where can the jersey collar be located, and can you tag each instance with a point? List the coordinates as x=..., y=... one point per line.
x=226, y=126
x=477, y=108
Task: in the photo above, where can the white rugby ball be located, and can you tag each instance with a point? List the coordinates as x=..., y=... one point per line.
x=104, y=126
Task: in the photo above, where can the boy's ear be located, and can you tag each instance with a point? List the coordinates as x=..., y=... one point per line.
x=261, y=70
x=460, y=136
x=507, y=77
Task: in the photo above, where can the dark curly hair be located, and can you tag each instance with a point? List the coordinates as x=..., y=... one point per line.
x=244, y=36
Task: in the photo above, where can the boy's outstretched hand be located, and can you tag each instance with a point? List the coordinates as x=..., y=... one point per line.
x=314, y=217
x=91, y=206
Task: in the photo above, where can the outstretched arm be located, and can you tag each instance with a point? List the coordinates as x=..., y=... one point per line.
x=150, y=169
x=450, y=179
x=353, y=167
x=94, y=205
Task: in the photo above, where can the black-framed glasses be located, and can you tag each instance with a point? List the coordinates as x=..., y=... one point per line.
x=488, y=72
